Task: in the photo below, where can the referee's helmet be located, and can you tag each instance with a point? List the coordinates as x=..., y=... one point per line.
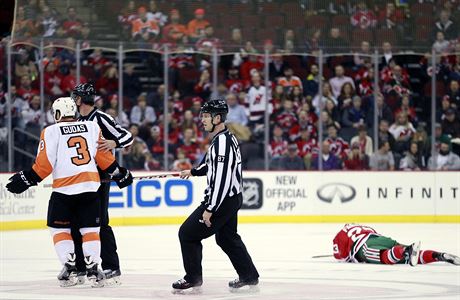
x=216, y=107
x=86, y=91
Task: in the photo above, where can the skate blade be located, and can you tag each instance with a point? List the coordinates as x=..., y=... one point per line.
x=415, y=254
x=248, y=289
x=113, y=281
x=72, y=281
x=96, y=284
x=191, y=291
x=81, y=280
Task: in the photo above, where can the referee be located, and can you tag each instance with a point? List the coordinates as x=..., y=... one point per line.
x=114, y=137
x=218, y=213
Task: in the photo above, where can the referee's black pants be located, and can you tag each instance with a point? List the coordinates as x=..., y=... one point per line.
x=224, y=226
x=109, y=254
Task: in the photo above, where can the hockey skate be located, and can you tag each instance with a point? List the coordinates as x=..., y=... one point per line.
x=449, y=258
x=68, y=275
x=81, y=277
x=183, y=287
x=239, y=285
x=112, y=277
x=94, y=274
x=412, y=253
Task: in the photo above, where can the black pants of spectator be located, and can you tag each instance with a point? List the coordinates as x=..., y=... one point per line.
x=224, y=226
x=109, y=254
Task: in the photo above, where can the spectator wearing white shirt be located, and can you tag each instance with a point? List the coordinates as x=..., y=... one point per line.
x=142, y=114
x=339, y=80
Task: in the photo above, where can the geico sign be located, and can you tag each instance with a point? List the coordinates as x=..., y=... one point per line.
x=150, y=193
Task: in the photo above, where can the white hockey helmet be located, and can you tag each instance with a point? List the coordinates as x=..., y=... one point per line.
x=64, y=107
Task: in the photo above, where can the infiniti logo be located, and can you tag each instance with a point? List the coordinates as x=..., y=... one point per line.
x=328, y=192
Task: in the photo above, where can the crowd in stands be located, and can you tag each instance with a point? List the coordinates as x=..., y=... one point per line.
x=291, y=92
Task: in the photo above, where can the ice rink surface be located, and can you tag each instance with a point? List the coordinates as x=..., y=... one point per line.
x=151, y=261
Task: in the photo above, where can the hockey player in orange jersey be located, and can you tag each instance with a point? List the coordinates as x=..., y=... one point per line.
x=68, y=150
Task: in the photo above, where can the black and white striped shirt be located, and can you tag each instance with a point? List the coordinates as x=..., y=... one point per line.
x=111, y=130
x=222, y=166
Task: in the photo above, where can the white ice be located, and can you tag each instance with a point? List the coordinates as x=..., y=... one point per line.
x=151, y=261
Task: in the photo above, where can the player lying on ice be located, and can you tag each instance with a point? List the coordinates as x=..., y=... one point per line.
x=362, y=244
x=69, y=150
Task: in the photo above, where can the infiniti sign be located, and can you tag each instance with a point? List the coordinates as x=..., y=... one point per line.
x=330, y=191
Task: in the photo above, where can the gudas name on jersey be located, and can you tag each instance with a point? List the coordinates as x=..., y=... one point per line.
x=70, y=129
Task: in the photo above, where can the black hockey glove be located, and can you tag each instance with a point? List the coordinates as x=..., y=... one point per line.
x=123, y=178
x=22, y=180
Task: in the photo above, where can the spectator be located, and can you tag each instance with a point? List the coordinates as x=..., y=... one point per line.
x=339, y=80
x=18, y=105
x=25, y=66
x=291, y=161
x=154, y=15
x=337, y=145
x=403, y=131
x=413, y=160
x=256, y=100
x=330, y=160
x=155, y=143
x=236, y=40
x=307, y=146
x=407, y=109
x=356, y=160
x=289, y=41
x=332, y=110
x=289, y=80
x=396, y=82
x=236, y=112
x=53, y=81
x=31, y=10
x=188, y=145
x=144, y=30
x=196, y=26
x=361, y=57
x=387, y=54
x=451, y=124
x=286, y=118
x=108, y=83
x=277, y=68
x=345, y=98
x=454, y=93
x=97, y=62
x=23, y=26
x=444, y=159
x=48, y=22
x=311, y=85
x=355, y=116
x=142, y=114
x=181, y=163
x=135, y=159
x=252, y=64
x=131, y=83
x=204, y=85
x=72, y=25
x=390, y=17
x=384, y=134
x=208, y=41
x=70, y=81
x=278, y=147
x=383, y=159
x=440, y=45
x=335, y=42
x=327, y=95
x=383, y=110
x=446, y=26
x=25, y=90
x=120, y=116
x=174, y=31
x=32, y=115
x=126, y=16
x=327, y=122
x=155, y=98
x=363, y=17
x=363, y=141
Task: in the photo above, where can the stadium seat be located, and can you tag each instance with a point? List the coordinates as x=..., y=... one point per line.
x=230, y=21
x=253, y=21
x=360, y=35
x=421, y=9
x=266, y=33
x=269, y=8
x=385, y=35
x=440, y=89
x=316, y=21
x=276, y=21
x=293, y=21
x=341, y=21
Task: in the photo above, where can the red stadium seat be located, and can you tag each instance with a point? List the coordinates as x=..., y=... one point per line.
x=360, y=35
x=276, y=21
x=340, y=21
x=316, y=21
x=385, y=35
x=422, y=9
x=293, y=21
x=269, y=8
x=230, y=20
x=440, y=89
x=253, y=21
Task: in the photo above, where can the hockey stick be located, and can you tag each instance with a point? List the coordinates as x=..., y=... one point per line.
x=156, y=176
x=321, y=256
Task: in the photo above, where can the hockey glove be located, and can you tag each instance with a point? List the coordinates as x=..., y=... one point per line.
x=123, y=178
x=22, y=180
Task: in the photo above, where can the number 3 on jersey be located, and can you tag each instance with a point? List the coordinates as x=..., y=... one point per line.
x=81, y=145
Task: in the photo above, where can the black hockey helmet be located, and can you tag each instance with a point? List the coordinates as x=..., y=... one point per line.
x=86, y=91
x=216, y=107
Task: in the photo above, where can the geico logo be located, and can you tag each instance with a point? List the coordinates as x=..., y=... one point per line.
x=150, y=193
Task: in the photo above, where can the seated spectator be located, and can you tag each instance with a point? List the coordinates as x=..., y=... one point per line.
x=440, y=45
x=355, y=116
x=112, y=109
x=53, y=81
x=330, y=160
x=234, y=83
x=314, y=41
x=277, y=68
x=249, y=66
x=339, y=80
x=451, y=124
x=135, y=159
x=131, y=83
x=332, y=110
x=413, y=160
x=382, y=159
x=108, y=83
x=363, y=18
x=337, y=145
x=345, y=98
x=97, y=61
x=196, y=26
x=446, y=26
x=318, y=103
x=307, y=146
x=454, y=93
x=25, y=90
x=383, y=110
x=70, y=80
x=289, y=80
x=72, y=25
x=174, y=31
x=356, y=160
x=236, y=44
x=188, y=145
x=365, y=81
x=291, y=161
x=23, y=27
x=396, y=80
x=403, y=131
x=155, y=15
x=363, y=141
x=296, y=95
x=286, y=118
x=278, y=147
x=237, y=119
x=361, y=57
x=335, y=43
x=311, y=85
x=444, y=159
x=142, y=114
x=32, y=115
x=204, y=85
x=144, y=30
x=25, y=66
x=155, y=143
x=387, y=54
x=407, y=109
x=390, y=17
x=126, y=16
x=47, y=22
x=182, y=162
x=208, y=42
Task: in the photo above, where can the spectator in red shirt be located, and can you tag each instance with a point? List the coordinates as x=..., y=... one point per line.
x=108, y=83
x=70, y=81
x=390, y=17
x=71, y=27
x=356, y=160
x=188, y=145
x=204, y=85
x=53, y=81
x=25, y=90
x=407, y=109
x=252, y=63
x=363, y=18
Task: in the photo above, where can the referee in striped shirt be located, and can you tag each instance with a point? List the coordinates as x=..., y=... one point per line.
x=218, y=213
x=115, y=136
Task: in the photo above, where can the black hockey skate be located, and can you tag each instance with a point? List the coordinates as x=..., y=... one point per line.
x=184, y=287
x=112, y=277
x=449, y=258
x=412, y=253
x=94, y=273
x=68, y=275
x=238, y=285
